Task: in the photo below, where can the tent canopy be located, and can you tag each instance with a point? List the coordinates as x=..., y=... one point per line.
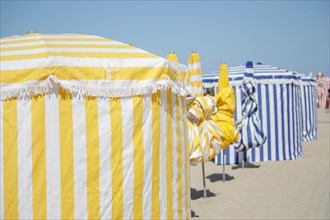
x=84, y=64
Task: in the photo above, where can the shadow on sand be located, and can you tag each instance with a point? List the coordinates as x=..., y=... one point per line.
x=200, y=194
x=193, y=214
x=246, y=165
x=219, y=177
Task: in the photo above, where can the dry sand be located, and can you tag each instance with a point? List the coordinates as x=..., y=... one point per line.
x=296, y=189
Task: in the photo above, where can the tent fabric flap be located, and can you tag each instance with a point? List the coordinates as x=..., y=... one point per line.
x=70, y=157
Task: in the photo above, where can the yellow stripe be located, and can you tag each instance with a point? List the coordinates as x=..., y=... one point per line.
x=196, y=84
x=155, y=155
x=41, y=39
x=81, y=46
x=116, y=158
x=66, y=154
x=10, y=166
x=169, y=157
x=84, y=73
x=92, y=143
x=194, y=72
x=186, y=160
x=78, y=54
x=179, y=153
x=138, y=157
x=39, y=157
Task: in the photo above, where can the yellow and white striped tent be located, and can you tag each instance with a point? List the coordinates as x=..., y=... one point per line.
x=91, y=128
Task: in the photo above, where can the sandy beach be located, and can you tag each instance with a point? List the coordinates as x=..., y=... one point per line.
x=296, y=189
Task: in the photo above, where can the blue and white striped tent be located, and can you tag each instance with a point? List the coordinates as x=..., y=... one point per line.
x=279, y=109
x=309, y=108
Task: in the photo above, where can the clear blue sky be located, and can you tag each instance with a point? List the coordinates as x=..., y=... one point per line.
x=288, y=34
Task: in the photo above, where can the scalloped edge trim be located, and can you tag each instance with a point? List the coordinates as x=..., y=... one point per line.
x=80, y=89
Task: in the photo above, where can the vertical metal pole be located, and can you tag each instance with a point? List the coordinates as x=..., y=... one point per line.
x=204, y=184
x=223, y=166
x=243, y=163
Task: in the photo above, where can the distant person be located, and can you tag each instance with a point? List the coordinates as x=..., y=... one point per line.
x=327, y=102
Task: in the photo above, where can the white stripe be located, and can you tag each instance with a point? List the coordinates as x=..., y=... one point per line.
x=82, y=62
x=24, y=154
x=194, y=66
x=147, y=137
x=77, y=50
x=175, y=158
x=265, y=122
x=193, y=78
x=272, y=122
x=53, y=174
x=80, y=157
x=128, y=157
x=59, y=42
x=183, y=205
x=238, y=98
x=38, y=36
x=1, y=164
x=105, y=133
x=163, y=149
x=257, y=154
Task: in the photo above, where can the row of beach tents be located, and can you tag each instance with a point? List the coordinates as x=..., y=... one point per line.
x=287, y=109
x=92, y=128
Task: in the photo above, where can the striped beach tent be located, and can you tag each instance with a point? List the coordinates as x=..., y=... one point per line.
x=91, y=128
x=278, y=96
x=309, y=107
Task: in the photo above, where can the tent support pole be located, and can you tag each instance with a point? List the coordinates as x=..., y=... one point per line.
x=204, y=184
x=243, y=163
x=223, y=166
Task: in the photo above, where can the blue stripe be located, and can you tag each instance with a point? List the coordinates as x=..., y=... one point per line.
x=294, y=125
x=269, y=138
x=227, y=155
x=294, y=122
x=276, y=122
x=209, y=80
x=236, y=157
x=316, y=114
x=248, y=133
x=289, y=119
x=308, y=116
x=308, y=112
x=305, y=115
x=283, y=121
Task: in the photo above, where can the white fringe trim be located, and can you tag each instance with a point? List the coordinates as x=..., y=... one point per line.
x=29, y=89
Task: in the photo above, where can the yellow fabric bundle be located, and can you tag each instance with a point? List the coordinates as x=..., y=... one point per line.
x=225, y=102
